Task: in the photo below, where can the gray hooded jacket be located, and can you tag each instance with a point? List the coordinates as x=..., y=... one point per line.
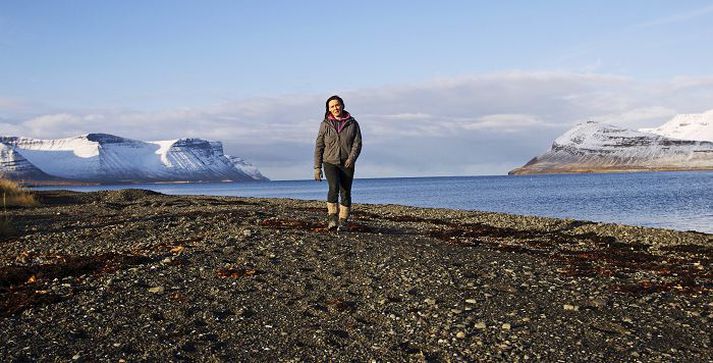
x=337, y=147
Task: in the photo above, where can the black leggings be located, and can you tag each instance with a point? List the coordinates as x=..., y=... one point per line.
x=339, y=179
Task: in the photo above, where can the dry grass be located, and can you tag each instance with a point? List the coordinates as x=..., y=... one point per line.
x=14, y=195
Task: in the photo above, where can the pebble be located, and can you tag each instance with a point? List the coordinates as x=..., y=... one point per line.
x=610, y=327
x=157, y=290
x=471, y=301
x=598, y=303
x=460, y=335
x=480, y=325
x=430, y=301
x=506, y=326
x=570, y=307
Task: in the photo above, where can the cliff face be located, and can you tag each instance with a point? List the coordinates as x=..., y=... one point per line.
x=103, y=158
x=15, y=166
x=595, y=147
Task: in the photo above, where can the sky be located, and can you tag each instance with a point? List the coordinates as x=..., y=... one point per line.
x=438, y=88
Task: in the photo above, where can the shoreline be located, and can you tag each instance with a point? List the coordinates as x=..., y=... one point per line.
x=132, y=274
x=541, y=196
x=73, y=183
x=524, y=170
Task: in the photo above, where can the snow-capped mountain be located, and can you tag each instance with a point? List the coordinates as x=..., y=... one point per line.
x=16, y=166
x=594, y=147
x=103, y=158
x=692, y=126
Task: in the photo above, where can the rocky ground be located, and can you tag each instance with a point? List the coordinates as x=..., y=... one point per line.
x=134, y=275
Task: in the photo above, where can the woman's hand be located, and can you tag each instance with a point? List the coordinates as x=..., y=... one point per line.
x=318, y=174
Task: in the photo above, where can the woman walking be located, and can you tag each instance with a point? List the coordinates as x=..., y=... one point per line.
x=337, y=148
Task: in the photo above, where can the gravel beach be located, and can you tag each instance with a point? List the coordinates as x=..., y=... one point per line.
x=134, y=275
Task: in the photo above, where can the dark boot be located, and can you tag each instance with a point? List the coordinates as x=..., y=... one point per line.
x=343, y=218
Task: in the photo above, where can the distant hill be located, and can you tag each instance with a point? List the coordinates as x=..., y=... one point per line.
x=692, y=126
x=103, y=158
x=684, y=143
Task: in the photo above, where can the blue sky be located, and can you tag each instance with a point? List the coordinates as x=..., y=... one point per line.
x=491, y=82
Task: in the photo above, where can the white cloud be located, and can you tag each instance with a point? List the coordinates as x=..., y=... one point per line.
x=677, y=18
x=11, y=129
x=10, y=104
x=445, y=126
x=403, y=116
x=58, y=125
x=639, y=117
x=684, y=82
x=506, y=122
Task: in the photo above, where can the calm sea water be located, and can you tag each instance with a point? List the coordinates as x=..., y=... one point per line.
x=680, y=200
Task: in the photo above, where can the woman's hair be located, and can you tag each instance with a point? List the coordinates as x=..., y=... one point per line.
x=326, y=104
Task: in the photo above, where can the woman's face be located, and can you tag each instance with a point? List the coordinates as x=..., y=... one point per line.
x=335, y=108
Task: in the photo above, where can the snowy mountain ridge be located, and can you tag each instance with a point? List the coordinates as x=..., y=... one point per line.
x=104, y=158
x=692, y=126
x=683, y=143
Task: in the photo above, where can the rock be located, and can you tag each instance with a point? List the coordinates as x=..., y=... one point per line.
x=569, y=307
x=609, y=327
x=505, y=288
x=430, y=301
x=471, y=301
x=460, y=335
x=506, y=326
x=157, y=289
x=480, y=325
x=595, y=303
